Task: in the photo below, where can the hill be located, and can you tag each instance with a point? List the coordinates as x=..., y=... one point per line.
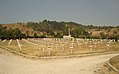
x=108, y=32
x=59, y=29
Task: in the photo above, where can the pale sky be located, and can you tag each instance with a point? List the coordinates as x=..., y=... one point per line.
x=96, y=12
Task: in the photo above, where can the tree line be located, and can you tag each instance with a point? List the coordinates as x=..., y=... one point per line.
x=11, y=33
x=56, y=29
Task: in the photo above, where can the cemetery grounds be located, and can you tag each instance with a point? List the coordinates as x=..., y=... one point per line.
x=48, y=47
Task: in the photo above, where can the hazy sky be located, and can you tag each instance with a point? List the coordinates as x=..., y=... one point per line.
x=96, y=12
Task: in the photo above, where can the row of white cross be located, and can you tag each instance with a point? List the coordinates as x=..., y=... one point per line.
x=70, y=43
x=48, y=43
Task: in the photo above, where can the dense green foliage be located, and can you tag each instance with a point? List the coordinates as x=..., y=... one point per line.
x=10, y=33
x=58, y=29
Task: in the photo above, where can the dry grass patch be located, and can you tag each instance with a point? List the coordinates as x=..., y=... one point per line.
x=115, y=62
x=60, y=47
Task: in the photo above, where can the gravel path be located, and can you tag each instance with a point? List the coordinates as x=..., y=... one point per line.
x=11, y=64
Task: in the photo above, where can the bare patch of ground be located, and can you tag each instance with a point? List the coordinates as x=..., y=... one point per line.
x=10, y=64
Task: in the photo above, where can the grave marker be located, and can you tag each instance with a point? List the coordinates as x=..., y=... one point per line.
x=10, y=42
x=19, y=44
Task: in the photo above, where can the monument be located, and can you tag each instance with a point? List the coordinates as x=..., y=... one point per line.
x=68, y=36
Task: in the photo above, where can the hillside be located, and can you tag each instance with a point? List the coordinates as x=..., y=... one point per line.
x=22, y=27
x=59, y=29
x=103, y=31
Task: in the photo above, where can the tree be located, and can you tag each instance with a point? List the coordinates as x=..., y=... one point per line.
x=58, y=35
x=11, y=34
x=35, y=35
x=102, y=35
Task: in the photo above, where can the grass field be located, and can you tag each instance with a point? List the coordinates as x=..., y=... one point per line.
x=59, y=47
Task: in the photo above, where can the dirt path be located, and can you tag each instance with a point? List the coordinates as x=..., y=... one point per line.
x=18, y=65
